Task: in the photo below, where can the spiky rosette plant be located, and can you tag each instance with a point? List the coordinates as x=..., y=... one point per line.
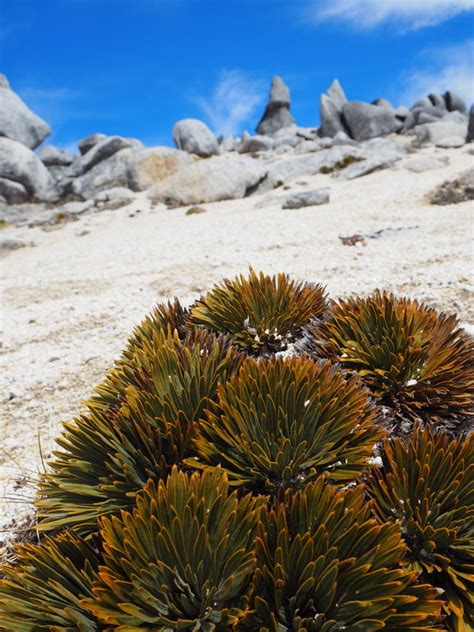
x=263, y=314
x=281, y=423
x=182, y=560
x=142, y=425
x=417, y=363
x=324, y=565
x=43, y=591
x=426, y=486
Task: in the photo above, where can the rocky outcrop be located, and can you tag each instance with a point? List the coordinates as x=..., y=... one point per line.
x=135, y=168
x=17, y=121
x=89, y=141
x=195, y=137
x=277, y=114
x=366, y=121
x=52, y=156
x=331, y=104
x=315, y=197
x=438, y=132
x=470, y=127
x=102, y=150
x=219, y=178
x=20, y=165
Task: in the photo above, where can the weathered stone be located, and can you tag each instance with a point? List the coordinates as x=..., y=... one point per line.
x=454, y=102
x=89, y=141
x=439, y=130
x=424, y=163
x=115, y=193
x=195, y=137
x=437, y=100
x=470, y=128
x=256, y=143
x=383, y=103
x=17, y=121
x=20, y=164
x=315, y=197
x=330, y=115
x=277, y=113
x=368, y=121
x=103, y=150
x=337, y=94
x=136, y=168
x=219, y=178
x=55, y=156
x=13, y=192
x=378, y=153
x=450, y=142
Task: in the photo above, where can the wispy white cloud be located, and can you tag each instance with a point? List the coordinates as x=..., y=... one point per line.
x=438, y=70
x=233, y=102
x=409, y=15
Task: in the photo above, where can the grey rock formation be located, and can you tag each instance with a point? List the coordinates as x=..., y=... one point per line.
x=454, y=102
x=384, y=103
x=330, y=105
x=136, y=168
x=315, y=197
x=219, y=178
x=17, y=121
x=437, y=100
x=368, y=121
x=456, y=191
x=433, y=133
x=378, y=153
x=103, y=150
x=13, y=192
x=470, y=127
x=89, y=141
x=277, y=113
x=424, y=163
x=55, y=156
x=195, y=137
x=256, y=143
x=21, y=165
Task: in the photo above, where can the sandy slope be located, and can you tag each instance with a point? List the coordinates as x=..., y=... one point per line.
x=69, y=302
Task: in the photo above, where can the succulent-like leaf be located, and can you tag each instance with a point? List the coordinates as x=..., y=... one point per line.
x=262, y=314
x=280, y=423
x=426, y=486
x=142, y=425
x=324, y=565
x=416, y=362
x=43, y=591
x=182, y=560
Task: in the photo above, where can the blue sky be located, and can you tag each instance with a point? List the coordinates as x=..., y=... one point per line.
x=134, y=67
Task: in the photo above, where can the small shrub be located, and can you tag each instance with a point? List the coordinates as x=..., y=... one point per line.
x=416, y=362
x=280, y=423
x=183, y=560
x=44, y=590
x=262, y=314
x=142, y=425
x=426, y=487
x=324, y=564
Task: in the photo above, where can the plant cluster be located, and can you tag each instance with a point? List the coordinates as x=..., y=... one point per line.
x=215, y=484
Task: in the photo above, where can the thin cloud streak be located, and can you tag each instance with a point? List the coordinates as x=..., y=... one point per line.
x=409, y=15
x=449, y=68
x=233, y=103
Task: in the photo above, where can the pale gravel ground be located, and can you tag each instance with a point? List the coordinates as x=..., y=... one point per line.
x=69, y=303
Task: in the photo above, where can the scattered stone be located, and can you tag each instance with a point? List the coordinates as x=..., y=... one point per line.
x=316, y=197
x=455, y=191
x=212, y=180
x=136, y=168
x=76, y=208
x=196, y=210
x=450, y=142
x=13, y=192
x=21, y=165
x=55, y=156
x=277, y=113
x=82, y=233
x=8, y=244
x=433, y=133
x=256, y=143
x=114, y=193
x=424, y=163
x=454, y=102
x=103, y=150
x=17, y=121
x=88, y=142
x=194, y=137
x=368, y=121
